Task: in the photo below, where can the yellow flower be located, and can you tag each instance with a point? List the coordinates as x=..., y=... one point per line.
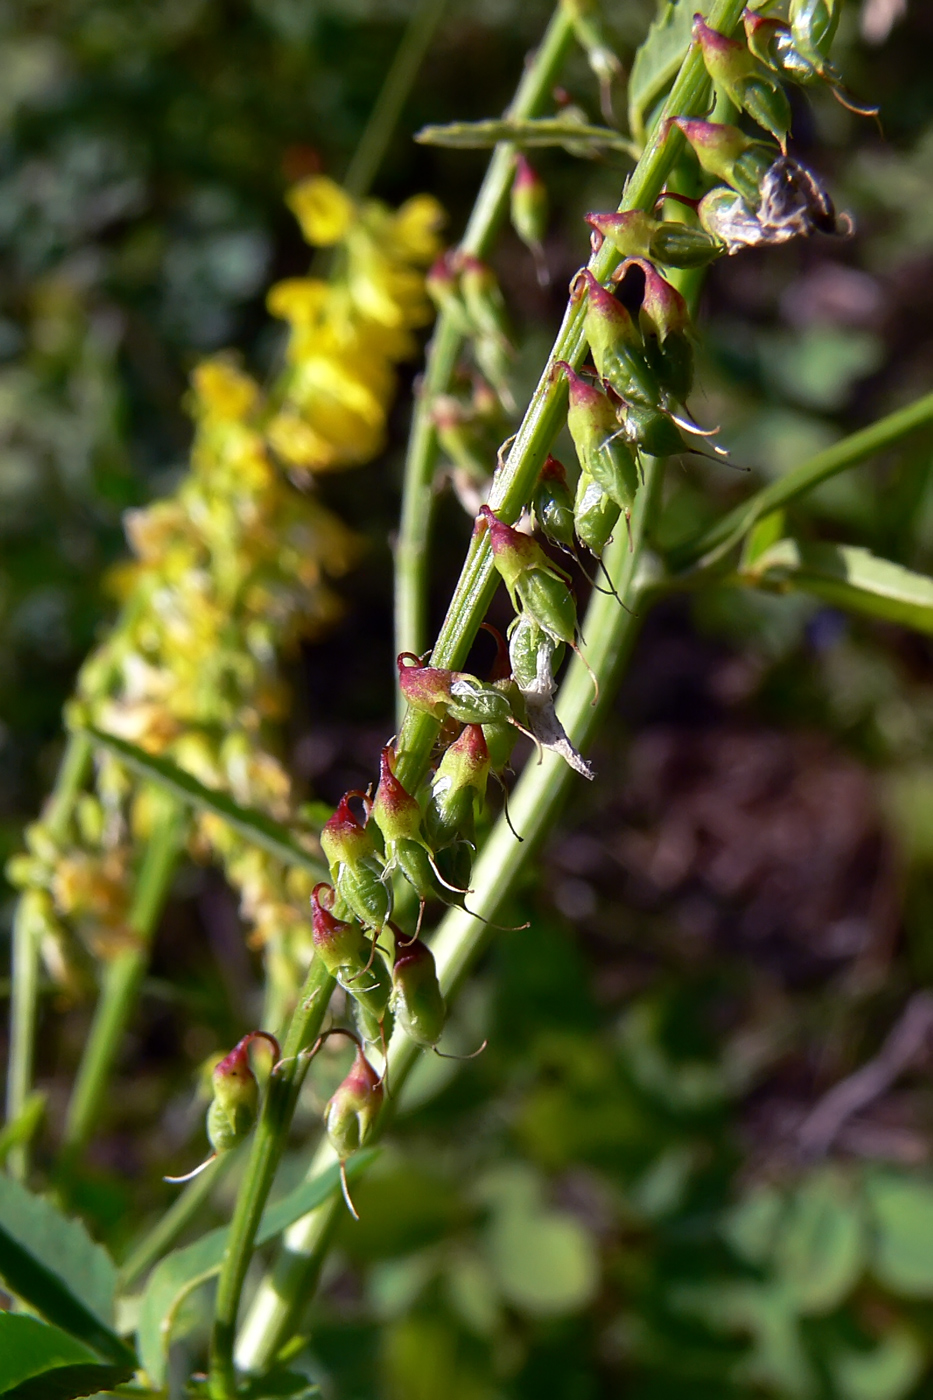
x=222, y=391
x=300, y=300
x=324, y=212
x=415, y=229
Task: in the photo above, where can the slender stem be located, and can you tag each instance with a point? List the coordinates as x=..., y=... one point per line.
x=710, y=547
x=384, y=116
x=412, y=550
x=169, y=1226
x=122, y=979
x=25, y=989
x=514, y=483
x=265, y=1154
x=534, y=805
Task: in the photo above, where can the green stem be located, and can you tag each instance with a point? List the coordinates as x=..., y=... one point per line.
x=275, y=1312
x=411, y=558
x=170, y=1226
x=25, y=989
x=384, y=116
x=710, y=547
x=122, y=979
x=515, y=481
x=265, y=1154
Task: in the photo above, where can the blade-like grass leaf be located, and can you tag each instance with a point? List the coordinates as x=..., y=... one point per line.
x=847, y=577
x=254, y=825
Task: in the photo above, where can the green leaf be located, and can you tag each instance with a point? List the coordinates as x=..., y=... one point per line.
x=659, y=58
x=182, y=1271
x=889, y=1371
x=254, y=825
x=847, y=577
x=902, y=1253
x=39, y=1362
x=51, y=1263
x=577, y=137
x=820, y=1244
x=544, y=1261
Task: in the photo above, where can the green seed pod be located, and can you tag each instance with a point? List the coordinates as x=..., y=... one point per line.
x=455, y=862
x=355, y=868
x=665, y=324
x=652, y=430
x=451, y=694
x=416, y=998
x=398, y=817
x=236, y=1095
x=604, y=454
x=533, y=652
x=457, y=789
x=595, y=515
x=351, y=1112
x=552, y=504
x=813, y=24
x=348, y=955
x=485, y=306
x=773, y=42
x=747, y=82
x=529, y=212
x=730, y=155
x=616, y=343
x=636, y=234
x=443, y=287
x=537, y=588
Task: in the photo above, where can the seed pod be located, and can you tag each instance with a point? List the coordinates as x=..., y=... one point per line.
x=416, y=998
x=814, y=24
x=352, y=1110
x=457, y=789
x=536, y=586
x=636, y=234
x=726, y=216
x=535, y=655
x=398, y=817
x=348, y=956
x=730, y=155
x=552, y=504
x=355, y=867
x=451, y=694
x=665, y=324
x=615, y=341
x=485, y=307
x=595, y=515
x=443, y=287
x=603, y=453
x=236, y=1095
x=455, y=862
x=529, y=212
x=747, y=82
x=772, y=41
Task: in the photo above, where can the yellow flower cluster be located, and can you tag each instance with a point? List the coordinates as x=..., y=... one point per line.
x=228, y=572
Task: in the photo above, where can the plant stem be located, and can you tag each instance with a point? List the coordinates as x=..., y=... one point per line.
x=533, y=806
x=169, y=1226
x=515, y=481
x=266, y=1151
x=122, y=978
x=384, y=116
x=711, y=546
x=25, y=989
x=412, y=550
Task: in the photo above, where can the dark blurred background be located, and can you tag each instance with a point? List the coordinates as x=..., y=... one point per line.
x=642, y=1185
